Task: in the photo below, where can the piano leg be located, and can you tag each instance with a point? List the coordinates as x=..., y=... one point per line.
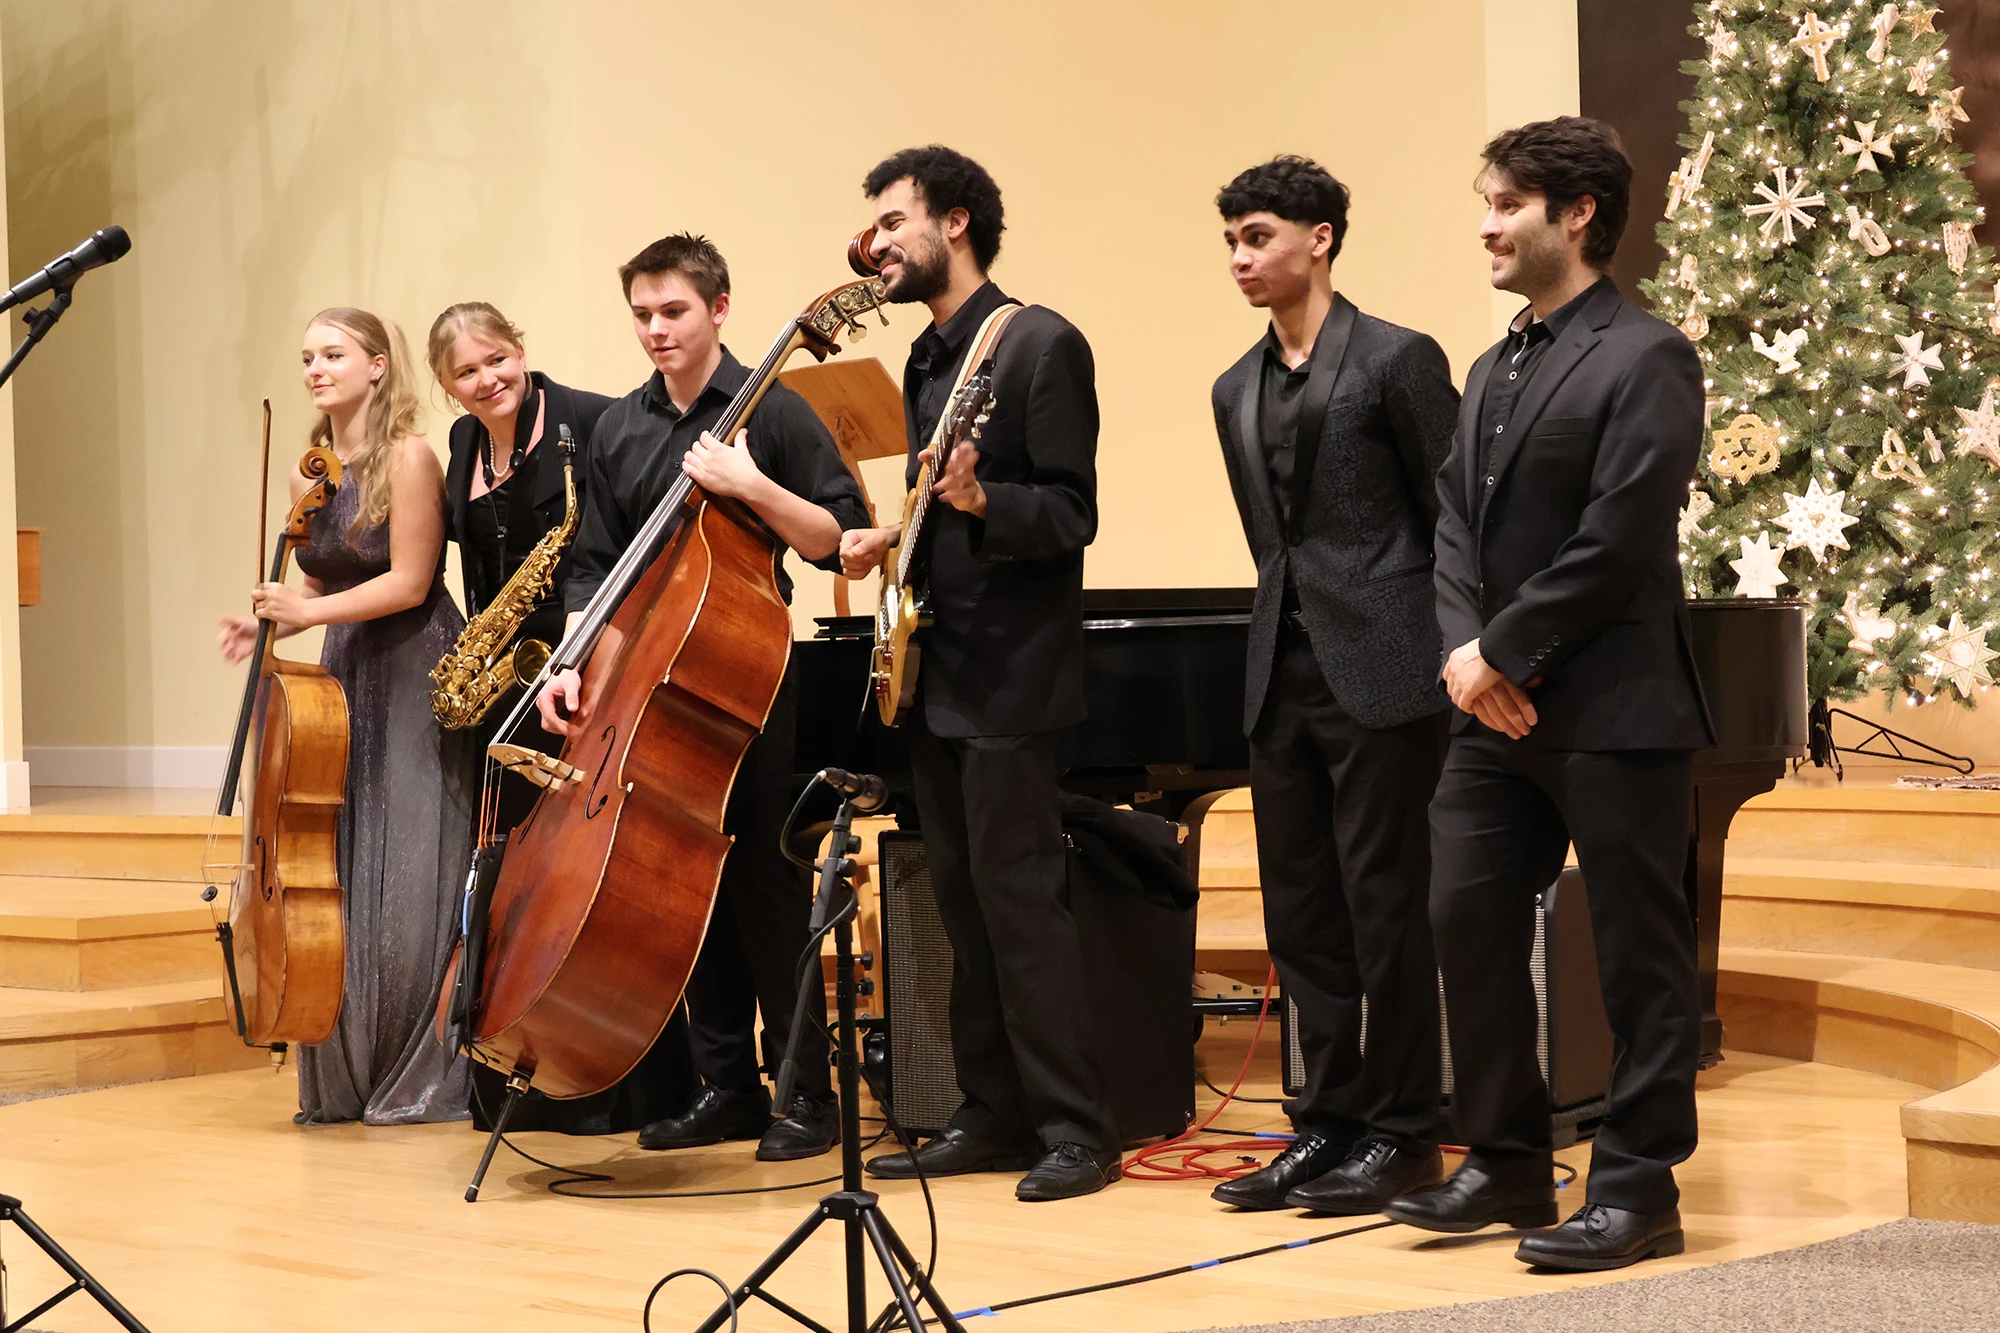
x=1720, y=789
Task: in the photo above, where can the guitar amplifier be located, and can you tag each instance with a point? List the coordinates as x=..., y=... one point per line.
x=1137, y=957
x=1572, y=1035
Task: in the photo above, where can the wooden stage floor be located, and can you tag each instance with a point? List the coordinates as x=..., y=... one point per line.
x=202, y=1207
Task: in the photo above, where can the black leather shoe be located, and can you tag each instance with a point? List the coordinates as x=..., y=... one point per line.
x=1309, y=1157
x=1598, y=1237
x=716, y=1115
x=952, y=1153
x=1373, y=1174
x=1069, y=1171
x=812, y=1128
x=1470, y=1199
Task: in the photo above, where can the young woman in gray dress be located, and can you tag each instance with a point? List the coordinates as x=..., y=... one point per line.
x=375, y=579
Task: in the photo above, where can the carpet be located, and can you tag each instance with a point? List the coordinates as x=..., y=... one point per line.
x=1925, y=1277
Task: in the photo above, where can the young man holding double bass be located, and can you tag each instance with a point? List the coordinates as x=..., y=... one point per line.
x=1001, y=672
x=786, y=468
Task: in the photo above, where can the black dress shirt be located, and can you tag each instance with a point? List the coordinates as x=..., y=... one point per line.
x=1528, y=341
x=635, y=458
x=1280, y=390
x=932, y=369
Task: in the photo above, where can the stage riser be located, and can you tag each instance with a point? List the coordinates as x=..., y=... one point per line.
x=1897, y=831
x=93, y=965
x=104, y=854
x=1796, y=1027
x=203, y=1044
x=1864, y=929
x=1954, y=1182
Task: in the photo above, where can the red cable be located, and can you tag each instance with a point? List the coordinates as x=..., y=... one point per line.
x=1189, y=1165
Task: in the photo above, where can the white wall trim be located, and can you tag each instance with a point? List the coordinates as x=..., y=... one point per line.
x=14, y=786
x=123, y=766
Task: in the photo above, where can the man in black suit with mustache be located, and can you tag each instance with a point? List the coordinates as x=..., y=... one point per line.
x=1332, y=430
x=1565, y=631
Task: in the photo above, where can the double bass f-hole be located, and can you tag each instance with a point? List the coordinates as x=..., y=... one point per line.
x=593, y=803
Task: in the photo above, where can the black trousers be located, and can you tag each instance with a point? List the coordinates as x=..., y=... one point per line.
x=1021, y=1034
x=1503, y=814
x=1343, y=850
x=750, y=958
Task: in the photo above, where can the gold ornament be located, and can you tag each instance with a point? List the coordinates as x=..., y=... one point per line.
x=1814, y=40
x=1961, y=656
x=1695, y=326
x=1896, y=461
x=1745, y=448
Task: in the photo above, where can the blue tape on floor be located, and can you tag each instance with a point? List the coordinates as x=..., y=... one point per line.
x=1205, y=1263
x=986, y=1310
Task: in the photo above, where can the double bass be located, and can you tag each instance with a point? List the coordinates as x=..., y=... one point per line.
x=604, y=892
x=284, y=944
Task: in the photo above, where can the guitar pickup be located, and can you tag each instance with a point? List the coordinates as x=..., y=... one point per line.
x=541, y=769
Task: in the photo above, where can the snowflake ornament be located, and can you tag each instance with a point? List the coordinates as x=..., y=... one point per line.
x=1917, y=361
x=1786, y=204
x=1757, y=573
x=1961, y=656
x=1816, y=520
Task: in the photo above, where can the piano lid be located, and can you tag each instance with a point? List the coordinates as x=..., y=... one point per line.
x=1111, y=608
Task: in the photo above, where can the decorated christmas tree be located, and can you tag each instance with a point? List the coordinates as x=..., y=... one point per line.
x=1820, y=256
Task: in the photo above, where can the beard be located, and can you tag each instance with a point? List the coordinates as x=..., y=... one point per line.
x=1539, y=263
x=926, y=272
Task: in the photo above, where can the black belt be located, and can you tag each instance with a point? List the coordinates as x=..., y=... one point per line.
x=1295, y=619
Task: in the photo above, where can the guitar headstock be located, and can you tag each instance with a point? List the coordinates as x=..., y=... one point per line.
x=971, y=403
x=839, y=311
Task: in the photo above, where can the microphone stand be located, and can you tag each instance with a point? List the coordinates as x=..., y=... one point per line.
x=39, y=324
x=857, y=1209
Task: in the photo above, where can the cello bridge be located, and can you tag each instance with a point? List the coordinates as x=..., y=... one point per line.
x=541, y=769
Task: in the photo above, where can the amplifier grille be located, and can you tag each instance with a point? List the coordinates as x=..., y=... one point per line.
x=916, y=989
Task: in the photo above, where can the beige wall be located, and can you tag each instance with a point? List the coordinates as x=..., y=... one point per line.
x=272, y=158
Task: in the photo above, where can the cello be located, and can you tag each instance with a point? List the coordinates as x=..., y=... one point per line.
x=284, y=943
x=605, y=890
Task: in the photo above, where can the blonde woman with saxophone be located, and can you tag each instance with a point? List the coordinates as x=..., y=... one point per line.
x=509, y=487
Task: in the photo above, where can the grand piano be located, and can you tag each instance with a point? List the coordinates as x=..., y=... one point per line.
x=1163, y=677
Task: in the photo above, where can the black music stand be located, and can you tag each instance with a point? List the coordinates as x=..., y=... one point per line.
x=80, y=1280
x=857, y=1209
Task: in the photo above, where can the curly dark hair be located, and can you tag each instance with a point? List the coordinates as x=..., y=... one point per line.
x=1294, y=188
x=693, y=257
x=1564, y=160
x=947, y=179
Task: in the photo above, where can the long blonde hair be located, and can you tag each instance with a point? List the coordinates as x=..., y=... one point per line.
x=393, y=411
x=474, y=317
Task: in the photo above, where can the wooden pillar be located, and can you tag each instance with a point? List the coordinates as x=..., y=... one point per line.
x=13, y=768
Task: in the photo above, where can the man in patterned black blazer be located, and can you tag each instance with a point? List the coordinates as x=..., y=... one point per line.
x=1332, y=428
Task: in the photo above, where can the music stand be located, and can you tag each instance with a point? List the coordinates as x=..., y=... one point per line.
x=863, y=409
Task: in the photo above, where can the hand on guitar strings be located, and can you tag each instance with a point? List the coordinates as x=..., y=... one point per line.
x=958, y=487
x=862, y=550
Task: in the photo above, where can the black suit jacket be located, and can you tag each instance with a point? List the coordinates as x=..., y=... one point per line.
x=1374, y=426
x=1003, y=655
x=576, y=408
x=1561, y=555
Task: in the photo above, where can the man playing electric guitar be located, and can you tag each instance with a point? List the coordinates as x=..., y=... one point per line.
x=1001, y=672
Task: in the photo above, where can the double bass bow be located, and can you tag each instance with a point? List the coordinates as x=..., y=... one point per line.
x=284, y=942
x=605, y=889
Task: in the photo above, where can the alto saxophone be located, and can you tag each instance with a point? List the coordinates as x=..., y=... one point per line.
x=480, y=668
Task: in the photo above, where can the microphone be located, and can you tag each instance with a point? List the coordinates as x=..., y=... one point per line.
x=103, y=247
x=864, y=791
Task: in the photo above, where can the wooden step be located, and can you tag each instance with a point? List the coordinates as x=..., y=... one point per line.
x=147, y=847
x=1856, y=822
x=1873, y=909
x=55, y=1039
x=102, y=934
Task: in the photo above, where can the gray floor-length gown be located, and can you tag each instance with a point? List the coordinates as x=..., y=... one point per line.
x=406, y=835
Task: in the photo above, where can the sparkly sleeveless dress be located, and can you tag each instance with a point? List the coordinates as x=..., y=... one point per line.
x=406, y=836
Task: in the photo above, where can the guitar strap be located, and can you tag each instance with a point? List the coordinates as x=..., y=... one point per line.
x=985, y=344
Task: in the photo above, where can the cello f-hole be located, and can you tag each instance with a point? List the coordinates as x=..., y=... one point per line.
x=593, y=803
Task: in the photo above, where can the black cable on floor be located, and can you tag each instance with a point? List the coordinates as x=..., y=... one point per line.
x=1239, y=1097
x=728, y=1295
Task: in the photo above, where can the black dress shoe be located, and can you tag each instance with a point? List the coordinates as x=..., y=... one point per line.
x=717, y=1114
x=1309, y=1157
x=1598, y=1237
x=1373, y=1174
x=952, y=1153
x=812, y=1128
x=1471, y=1199
x=1069, y=1171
